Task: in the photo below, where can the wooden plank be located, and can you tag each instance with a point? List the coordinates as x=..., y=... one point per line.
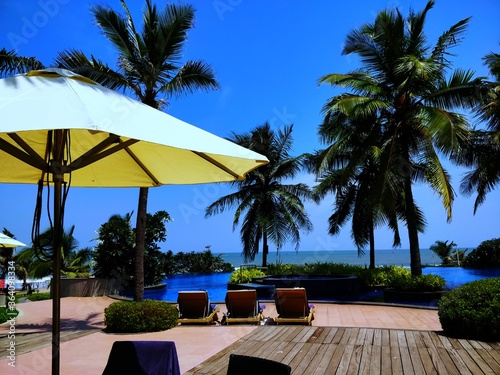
x=416, y=360
x=303, y=335
x=354, y=363
x=465, y=356
x=396, y=364
x=322, y=367
x=311, y=360
x=376, y=361
x=301, y=358
x=436, y=361
x=366, y=360
x=338, y=335
x=426, y=359
x=349, y=336
x=334, y=363
x=386, y=359
x=332, y=332
x=385, y=338
x=345, y=360
x=360, y=338
x=294, y=351
x=461, y=365
x=393, y=338
x=315, y=335
x=492, y=364
x=377, y=337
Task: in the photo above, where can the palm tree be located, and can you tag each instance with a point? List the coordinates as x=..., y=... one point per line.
x=443, y=250
x=273, y=211
x=403, y=84
x=149, y=65
x=348, y=168
x=484, y=145
x=38, y=259
x=11, y=63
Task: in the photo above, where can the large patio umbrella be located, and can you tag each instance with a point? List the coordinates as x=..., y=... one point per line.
x=6, y=241
x=59, y=128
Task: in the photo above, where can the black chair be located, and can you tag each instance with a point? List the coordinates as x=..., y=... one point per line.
x=143, y=358
x=246, y=365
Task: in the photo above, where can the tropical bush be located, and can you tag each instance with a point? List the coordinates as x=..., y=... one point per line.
x=245, y=275
x=195, y=262
x=5, y=317
x=487, y=255
x=38, y=296
x=422, y=283
x=472, y=311
x=134, y=317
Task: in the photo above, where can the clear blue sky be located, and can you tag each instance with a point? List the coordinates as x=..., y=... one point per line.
x=268, y=56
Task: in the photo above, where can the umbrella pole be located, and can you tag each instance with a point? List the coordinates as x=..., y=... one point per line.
x=56, y=290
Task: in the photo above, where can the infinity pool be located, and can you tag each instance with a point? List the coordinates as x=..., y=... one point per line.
x=216, y=284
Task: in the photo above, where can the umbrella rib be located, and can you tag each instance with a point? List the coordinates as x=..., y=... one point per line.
x=30, y=157
x=217, y=164
x=142, y=166
x=96, y=153
x=90, y=156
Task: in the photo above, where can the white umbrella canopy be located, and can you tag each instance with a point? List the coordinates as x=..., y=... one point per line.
x=58, y=127
x=6, y=241
x=103, y=128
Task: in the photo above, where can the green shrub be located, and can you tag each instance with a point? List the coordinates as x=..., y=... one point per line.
x=402, y=280
x=146, y=316
x=4, y=316
x=472, y=311
x=245, y=275
x=38, y=296
x=487, y=255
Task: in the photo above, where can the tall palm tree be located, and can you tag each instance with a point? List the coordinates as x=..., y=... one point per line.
x=403, y=84
x=348, y=168
x=11, y=63
x=149, y=65
x=273, y=211
x=484, y=145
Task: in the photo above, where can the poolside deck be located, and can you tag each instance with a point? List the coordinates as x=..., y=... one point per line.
x=332, y=350
x=343, y=336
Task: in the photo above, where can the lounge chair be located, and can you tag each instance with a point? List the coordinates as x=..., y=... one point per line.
x=246, y=365
x=194, y=307
x=292, y=306
x=243, y=307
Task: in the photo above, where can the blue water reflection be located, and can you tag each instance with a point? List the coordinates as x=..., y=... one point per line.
x=216, y=284
x=456, y=276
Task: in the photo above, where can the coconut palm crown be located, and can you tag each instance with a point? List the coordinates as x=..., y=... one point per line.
x=150, y=66
x=409, y=88
x=272, y=210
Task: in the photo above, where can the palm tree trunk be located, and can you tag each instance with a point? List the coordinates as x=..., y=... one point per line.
x=411, y=222
x=265, y=250
x=372, y=246
x=140, y=230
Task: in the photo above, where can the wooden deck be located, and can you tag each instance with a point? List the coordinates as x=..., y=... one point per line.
x=338, y=350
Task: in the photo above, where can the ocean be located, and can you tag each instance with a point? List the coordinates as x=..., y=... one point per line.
x=398, y=257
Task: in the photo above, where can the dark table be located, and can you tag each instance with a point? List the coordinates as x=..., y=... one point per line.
x=143, y=358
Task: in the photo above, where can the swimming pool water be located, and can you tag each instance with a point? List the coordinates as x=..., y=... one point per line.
x=216, y=284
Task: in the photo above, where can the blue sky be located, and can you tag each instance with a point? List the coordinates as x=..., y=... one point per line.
x=268, y=56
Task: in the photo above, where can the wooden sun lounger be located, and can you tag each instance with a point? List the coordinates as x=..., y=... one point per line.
x=194, y=307
x=243, y=307
x=293, y=307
